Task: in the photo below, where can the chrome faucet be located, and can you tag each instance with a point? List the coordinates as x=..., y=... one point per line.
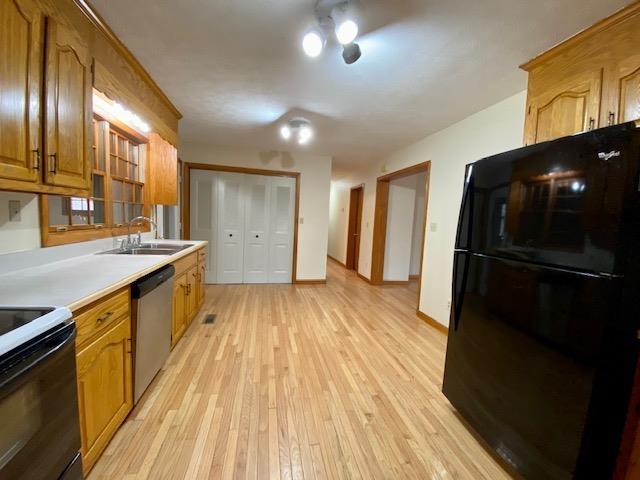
x=138, y=240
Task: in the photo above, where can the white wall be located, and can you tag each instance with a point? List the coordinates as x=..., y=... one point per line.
x=496, y=129
x=397, y=247
x=19, y=235
x=339, y=225
x=417, y=238
x=315, y=180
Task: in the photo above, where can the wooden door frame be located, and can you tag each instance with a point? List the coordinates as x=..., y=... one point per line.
x=380, y=221
x=186, y=199
x=353, y=264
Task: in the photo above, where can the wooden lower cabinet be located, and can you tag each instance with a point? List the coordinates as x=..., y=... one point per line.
x=188, y=293
x=105, y=389
x=179, y=323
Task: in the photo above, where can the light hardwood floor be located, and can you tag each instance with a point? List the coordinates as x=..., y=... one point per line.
x=292, y=382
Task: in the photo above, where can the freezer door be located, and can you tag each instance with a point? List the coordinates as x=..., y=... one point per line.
x=525, y=348
x=557, y=203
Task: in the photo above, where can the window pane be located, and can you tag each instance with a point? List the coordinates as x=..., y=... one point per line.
x=118, y=214
x=98, y=186
x=113, y=164
x=128, y=192
x=101, y=161
x=128, y=212
x=138, y=191
x=112, y=144
x=133, y=153
x=134, y=171
x=122, y=168
x=79, y=211
x=58, y=210
x=137, y=210
x=98, y=211
x=122, y=148
x=116, y=190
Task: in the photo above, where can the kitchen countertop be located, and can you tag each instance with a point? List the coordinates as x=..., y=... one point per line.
x=79, y=281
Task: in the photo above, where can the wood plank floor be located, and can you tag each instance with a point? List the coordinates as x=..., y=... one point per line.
x=292, y=382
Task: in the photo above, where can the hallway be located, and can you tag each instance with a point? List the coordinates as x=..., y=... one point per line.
x=312, y=381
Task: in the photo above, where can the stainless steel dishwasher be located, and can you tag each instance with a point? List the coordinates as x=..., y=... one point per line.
x=152, y=311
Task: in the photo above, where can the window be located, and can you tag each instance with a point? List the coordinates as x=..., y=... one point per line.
x=117, y=193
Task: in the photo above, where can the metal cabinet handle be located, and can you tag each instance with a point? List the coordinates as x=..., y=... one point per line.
x=102, y=318
x=52, y=163
x=612, y=118
x=592, y=123
x=36, y=158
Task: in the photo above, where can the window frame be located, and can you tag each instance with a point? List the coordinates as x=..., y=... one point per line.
x=61, y=235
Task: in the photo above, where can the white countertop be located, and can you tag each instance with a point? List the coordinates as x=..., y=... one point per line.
x=78, y=281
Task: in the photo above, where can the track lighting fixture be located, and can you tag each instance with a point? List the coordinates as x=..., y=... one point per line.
x=336, y=18
x=298, y=128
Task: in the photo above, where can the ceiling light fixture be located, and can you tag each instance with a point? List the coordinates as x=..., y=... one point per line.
x=298, y=128
x=339, y=18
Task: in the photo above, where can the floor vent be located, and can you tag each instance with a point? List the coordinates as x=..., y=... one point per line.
x=210, y=318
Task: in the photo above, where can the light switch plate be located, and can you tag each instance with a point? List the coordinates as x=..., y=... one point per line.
x=14, y=210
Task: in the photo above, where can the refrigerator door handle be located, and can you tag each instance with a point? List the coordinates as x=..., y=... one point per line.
x=466, y=206
x=459, y=286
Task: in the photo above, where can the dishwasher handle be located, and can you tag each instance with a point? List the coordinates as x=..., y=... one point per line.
x=152, y=281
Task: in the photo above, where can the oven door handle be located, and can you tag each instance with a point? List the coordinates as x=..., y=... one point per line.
x=50, y=347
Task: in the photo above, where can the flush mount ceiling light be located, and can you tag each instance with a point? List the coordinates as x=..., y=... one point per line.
x=335, y=17
x=298, y=128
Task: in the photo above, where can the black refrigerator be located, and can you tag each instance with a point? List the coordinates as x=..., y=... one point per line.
x=543, y=338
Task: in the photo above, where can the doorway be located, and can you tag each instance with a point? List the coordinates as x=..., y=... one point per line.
x=387, y=201
x=356, y=201
x=248, y=216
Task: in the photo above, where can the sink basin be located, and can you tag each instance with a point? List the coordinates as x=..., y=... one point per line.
x=149, y=249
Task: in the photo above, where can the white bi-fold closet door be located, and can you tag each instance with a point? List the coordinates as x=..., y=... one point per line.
x=248, y=220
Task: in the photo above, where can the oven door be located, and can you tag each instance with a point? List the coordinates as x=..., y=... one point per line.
x=40, y=434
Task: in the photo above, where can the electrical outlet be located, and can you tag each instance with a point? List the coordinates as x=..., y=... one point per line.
x=14, y=210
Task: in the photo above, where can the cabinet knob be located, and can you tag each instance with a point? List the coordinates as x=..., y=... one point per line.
x=257, y=236
x=231, y=234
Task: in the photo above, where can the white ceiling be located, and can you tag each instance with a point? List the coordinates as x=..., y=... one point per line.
x=235, y=68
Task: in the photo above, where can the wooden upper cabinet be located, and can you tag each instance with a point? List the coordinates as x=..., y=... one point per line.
x=68, y=109
x=162, y=172
x=591, y=80
x=570, y=107
x=21, y=32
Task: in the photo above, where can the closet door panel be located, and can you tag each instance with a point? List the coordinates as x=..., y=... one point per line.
x=281, y=229
x=204, y=214
x=231, y=205
x=256, y=193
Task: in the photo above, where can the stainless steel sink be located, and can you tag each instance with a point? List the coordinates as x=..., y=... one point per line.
x=149, y=249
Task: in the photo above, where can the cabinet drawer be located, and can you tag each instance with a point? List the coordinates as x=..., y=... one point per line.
x=99, y=316
x=185, y=263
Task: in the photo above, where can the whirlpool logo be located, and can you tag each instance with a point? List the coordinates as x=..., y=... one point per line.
x=608, y=156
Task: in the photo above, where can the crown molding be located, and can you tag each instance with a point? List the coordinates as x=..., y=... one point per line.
x=121, y=48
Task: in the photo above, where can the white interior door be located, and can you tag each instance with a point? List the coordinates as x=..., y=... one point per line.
x=204, y=215
x=281, y=229
x=230, y=251
x=257, y=190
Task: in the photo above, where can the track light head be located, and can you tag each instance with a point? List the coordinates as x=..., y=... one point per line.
x=351, y=53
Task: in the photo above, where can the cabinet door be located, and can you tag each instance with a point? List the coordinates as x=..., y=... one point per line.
x=257, y=191
x=68, y=109
x=105, y=394
x=570, y=106
x=21, y=31
x=179, y=323
x=624, y=91
x=202, y=270
x=192, y=294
